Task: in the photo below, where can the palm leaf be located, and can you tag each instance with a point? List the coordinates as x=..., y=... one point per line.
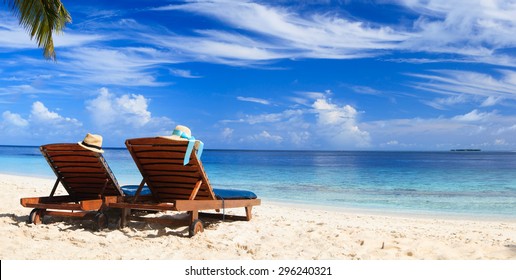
x=41, y=18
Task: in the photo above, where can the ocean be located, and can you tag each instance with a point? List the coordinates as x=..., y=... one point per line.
x=478, y=184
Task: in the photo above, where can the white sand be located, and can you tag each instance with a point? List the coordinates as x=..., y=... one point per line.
x=277, y=231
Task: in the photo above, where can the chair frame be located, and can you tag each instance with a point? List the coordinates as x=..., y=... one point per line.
x=193, y=201
x=75, y=166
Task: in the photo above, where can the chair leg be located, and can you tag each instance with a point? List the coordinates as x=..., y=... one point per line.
x=248, y=212
x=194, y=215
x=123, y=217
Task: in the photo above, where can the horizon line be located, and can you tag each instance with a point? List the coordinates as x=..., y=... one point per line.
x=454, y=150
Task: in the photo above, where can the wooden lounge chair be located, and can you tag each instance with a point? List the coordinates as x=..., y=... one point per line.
x=86, y=177
x=175, y=186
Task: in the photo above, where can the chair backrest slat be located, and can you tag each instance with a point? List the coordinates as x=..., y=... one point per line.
x=160, y=162
x=83, y=173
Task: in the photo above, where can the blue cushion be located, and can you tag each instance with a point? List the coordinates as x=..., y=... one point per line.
x=233, y=194
x=130, y=190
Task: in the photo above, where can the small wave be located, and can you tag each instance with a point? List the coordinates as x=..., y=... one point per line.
x=405, y=190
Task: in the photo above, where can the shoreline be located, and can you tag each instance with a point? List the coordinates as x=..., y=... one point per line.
x=394, y=213
x=277, y=231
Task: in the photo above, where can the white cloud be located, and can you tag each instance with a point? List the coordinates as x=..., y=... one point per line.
x=12, y=35
x=476, y=30
x=392, y=142
x=116, y=117
x=134, y=108
x=216, y=47
x=339, y=125
x=257, y=33
x=14, y=119
x=107, y=109
x=475, y=129
x=500, y=142
x=254, y=100
x=272, y=32
x=467, y=86
x=108, y=66
x=71, y=39
x=322, y=124
x=307, y=98
x=227, y=133
x=315, y=94
x=19, y=89
x=502, y=130
x=265, y=136
x=183, y=73
x=442, y=103
x=40, y=126
x=272, y=117
x=123, y=114
x=41, y=115
x=102, y=109
x=473, y=116
x=14, y=126
x=299, y=137
x=365, y=90
x=473, y=28
x=332, y=114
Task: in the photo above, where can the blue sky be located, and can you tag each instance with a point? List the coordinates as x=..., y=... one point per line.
x=344, y=75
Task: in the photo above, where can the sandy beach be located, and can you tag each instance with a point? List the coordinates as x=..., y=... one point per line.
x=277, y=231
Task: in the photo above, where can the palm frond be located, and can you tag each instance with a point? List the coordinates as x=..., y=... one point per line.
x=41, y=18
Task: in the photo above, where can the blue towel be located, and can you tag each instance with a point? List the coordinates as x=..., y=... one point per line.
x=130, y=190
x=191, y=143
x=233, y=194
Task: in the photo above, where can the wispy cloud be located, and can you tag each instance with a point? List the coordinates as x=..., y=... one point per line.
x=365, y=90
x=267, y=117
x=73, y=39
x=12, y=35
x=254, y=100
x=183, y=74
x=264, y=136
x=255, y=33
x=478, y=28
x=468, y=86
x=474, y=116
x=307, y=98
x=17, y=89
x=216, y=47
x=476, y=128
x=263, y=32
x=113, y=66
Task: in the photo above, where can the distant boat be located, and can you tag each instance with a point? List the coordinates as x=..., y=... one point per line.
x=465, y=150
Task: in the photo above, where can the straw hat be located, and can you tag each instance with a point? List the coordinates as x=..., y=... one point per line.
x=92, y=142
x=181, y=132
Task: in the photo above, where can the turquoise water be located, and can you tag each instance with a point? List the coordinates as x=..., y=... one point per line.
x=463, y=183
